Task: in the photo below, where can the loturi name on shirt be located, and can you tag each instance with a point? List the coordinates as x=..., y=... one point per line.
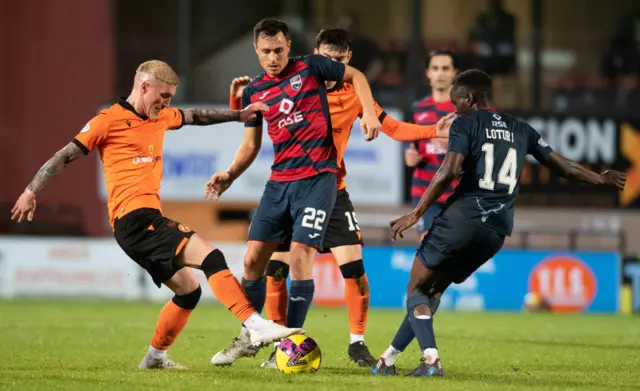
x=499, y=134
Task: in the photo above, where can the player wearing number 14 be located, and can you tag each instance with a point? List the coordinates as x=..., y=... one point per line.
x=490, y=149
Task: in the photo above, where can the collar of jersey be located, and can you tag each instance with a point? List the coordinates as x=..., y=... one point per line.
x=127, y=106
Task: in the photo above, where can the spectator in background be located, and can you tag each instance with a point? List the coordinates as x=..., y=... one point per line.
x=367, y=57
x=622, y=56
x=493, y=44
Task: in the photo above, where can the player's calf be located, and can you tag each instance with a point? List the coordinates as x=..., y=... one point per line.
x=277, y=295
x=302, y=285
x=229, y=292
x=173, y=318
x=356, y=293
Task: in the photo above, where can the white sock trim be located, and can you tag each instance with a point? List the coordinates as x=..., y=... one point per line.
x=356, y=338
x=391, y=355
x=430, y=354
x=156, y=354
x=255, y=321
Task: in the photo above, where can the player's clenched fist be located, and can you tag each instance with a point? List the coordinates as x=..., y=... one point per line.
x=24, y=207
x=371, y=126
x=218, y=184
x=238, y=84
x=249, y=112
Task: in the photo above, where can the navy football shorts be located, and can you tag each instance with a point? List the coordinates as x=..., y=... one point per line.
x=299, y=211
x=458, y=248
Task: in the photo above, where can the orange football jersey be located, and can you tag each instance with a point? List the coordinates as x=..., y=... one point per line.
x=345, y=107
x=130, y=148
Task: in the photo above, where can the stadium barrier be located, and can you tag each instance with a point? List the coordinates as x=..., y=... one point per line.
x=82, y=268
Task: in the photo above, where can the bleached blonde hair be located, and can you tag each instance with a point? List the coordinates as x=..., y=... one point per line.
x=156, y=70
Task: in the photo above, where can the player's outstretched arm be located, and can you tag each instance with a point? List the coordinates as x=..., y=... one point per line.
x=54, y=166
x=203, y=117
x=245, y=156
x=26, y=204
x=446, y=174
x=573, y=171
x=404, y=131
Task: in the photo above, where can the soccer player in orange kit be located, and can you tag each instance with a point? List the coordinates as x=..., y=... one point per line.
x=343, y=238
x=129, y=136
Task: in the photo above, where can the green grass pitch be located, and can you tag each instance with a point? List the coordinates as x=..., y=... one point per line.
x=97, y=345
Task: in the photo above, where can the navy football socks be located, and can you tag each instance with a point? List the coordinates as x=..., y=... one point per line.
x=300, y=298
x=256, y=291
x=422, y=325
x=404, y=335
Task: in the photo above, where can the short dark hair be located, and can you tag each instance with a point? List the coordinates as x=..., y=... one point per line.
x=474, y=80
x=434, y=53
x=270, y=27
x=335, y=37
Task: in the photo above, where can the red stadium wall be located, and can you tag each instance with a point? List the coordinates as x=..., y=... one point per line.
x=57, y=67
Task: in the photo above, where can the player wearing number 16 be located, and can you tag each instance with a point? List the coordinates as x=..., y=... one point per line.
x=490, y=148
x=300, y=195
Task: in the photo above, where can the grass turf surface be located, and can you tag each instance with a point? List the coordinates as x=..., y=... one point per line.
x=97, y=345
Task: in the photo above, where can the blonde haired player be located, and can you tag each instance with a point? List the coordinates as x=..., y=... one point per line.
x=129, y=136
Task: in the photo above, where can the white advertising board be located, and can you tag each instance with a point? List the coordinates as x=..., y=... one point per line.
x=67, y=267
x=192, y=154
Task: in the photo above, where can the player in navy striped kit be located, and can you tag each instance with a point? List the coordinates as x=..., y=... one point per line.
x=301, y=192
x=427, y=155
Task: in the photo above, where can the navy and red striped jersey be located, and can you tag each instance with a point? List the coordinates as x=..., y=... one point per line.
x=298, y=118
x=428, y=112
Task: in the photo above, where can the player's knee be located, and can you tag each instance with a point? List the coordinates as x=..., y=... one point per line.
x=354, y=269
x=251, y=267
x=277, y=269
x=418, y=304
x=301, y=267
x=188, y=301
x=214, y=263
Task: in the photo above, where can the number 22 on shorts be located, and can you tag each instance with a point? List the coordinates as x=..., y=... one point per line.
x=313, y=218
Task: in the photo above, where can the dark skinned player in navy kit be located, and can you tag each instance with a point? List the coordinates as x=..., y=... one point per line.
x=489, y=148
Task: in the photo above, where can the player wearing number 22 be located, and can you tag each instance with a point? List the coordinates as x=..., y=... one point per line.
x=490, y=149
x=343, y=237
x=301, y=192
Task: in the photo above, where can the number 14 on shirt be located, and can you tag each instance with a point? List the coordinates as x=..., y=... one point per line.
x=508, y=169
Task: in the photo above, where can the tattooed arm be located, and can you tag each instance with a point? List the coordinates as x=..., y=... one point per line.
x=54, y=166
x=26, y=204
x=213, y=116
x=209, y=116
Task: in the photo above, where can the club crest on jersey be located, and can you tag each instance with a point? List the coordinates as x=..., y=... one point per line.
x=296, y=82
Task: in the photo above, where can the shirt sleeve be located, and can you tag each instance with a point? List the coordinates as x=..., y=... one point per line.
x=246, y=101
x=326, y=68
x=402, y=131
x=93, y=133
x=538, y=148
x=459, y=136
x=173, y=117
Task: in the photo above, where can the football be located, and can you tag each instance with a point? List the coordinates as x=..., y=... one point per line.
x=298, y=354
